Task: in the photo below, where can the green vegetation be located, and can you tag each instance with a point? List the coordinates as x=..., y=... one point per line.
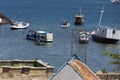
x=116, y=59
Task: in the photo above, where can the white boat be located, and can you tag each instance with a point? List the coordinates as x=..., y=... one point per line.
x=105, y=34
x=65, y=24
x=79, y=19
x=84, y=37
x=74, y=69
x=40, y=36
x=19, y=25
x=115, y=1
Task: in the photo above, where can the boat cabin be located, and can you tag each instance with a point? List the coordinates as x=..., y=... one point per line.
x=108, y=33
x=105, y=34
x=40, y=36
x=83, y=37
x=65, y=24
x=79, y=19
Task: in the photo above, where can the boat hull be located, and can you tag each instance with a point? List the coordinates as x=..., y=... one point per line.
x=79, y=19
x=78, y=22
x=14, y=28
x=19, y=25
x=83, y=41
x=115, y=1
x=39, y=36
x=104, y=40
x=65, y=25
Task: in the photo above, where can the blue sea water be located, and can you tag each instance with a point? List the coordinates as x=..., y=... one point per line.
x=47, y=15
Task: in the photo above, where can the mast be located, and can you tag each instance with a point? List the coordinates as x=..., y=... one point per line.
x=80, y=10
x=101, y=16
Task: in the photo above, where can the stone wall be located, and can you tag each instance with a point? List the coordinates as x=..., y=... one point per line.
x=12, y=69
x=109, y=76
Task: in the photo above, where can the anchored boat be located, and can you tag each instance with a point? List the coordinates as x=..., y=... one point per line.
x=19, y=25
x=115, y=1
x=65, y=24
x=105, y=34
x=83, y=37
x=79, y=19
x=40, y=36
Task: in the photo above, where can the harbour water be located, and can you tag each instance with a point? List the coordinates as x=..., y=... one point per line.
x=47, y=15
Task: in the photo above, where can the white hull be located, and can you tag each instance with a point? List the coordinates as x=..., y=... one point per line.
x=65, y=24
x=105, y=34
x=84, y=38
x=19, y=25
x=115, y=1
